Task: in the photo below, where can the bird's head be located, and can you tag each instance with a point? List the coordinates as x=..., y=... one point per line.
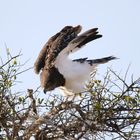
x=51, y=79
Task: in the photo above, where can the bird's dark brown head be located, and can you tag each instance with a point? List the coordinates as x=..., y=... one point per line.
x=51, y=79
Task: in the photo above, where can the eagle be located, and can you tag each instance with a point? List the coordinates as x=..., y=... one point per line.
x=57, y=70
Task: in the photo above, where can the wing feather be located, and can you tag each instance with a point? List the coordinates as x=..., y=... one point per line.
x=40, y=61
x=82, y=40
x=95, y=61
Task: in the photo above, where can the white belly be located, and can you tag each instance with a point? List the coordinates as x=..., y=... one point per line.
x=75, y=74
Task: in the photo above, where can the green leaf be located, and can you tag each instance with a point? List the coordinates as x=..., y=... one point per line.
x=8, y=51
x=14, y=61
x=98, y=106
x=15, y=77
x=127, y=98
x=40, y=100
x=21, y=100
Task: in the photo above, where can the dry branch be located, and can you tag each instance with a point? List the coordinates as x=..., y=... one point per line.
x=108, y=107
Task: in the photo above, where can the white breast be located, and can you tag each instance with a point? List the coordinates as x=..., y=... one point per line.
x=75, y=73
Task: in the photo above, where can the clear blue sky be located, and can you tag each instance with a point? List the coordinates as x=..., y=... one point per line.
x=27, y=24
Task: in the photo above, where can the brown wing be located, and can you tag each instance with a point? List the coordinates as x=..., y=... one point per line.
x=67, y=34
x=82, y=39
x=40, y=61
x=54, y=46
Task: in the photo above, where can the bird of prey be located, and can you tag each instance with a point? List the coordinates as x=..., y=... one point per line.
x=58, y=70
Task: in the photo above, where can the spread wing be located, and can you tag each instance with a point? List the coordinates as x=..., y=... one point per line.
x=40, y=61
x=54, y=46
x=82, y=40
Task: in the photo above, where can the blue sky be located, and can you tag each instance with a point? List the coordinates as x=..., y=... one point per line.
x=27, y=24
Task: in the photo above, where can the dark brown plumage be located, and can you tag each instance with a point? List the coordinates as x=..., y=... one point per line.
x=51, y=79
x=53, y=47
x=40, y=62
